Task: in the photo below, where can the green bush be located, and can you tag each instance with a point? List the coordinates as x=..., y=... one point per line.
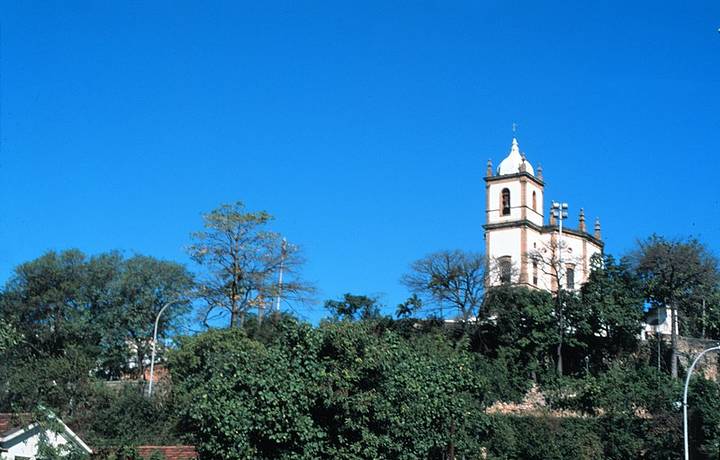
x=543, y=437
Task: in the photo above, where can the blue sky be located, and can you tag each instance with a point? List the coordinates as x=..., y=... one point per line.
x=363, y=127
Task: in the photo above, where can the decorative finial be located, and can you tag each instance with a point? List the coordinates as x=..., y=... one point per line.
x=598, y=234
x=539, y=172
x=514, y=128
x=489, y=169
x=582, y=220
x=515, y=147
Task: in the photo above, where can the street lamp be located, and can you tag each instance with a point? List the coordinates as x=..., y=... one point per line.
x=560, y=212
x=152, y=356
x=685, y=405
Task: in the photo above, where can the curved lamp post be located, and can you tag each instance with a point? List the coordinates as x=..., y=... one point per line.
x=152, y=358
x=685, y=405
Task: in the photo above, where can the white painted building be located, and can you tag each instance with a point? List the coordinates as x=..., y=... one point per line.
x=522, y=246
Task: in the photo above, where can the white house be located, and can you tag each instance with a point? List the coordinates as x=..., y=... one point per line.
x=523, y=247
x=21, y=437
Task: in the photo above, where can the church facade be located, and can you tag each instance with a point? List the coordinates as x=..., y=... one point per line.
x=524, y=247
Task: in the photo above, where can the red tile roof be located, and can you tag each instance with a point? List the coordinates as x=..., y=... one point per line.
x=169, y=452
x=11, y=422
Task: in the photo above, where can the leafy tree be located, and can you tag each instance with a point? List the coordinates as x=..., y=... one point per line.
x=541, y=437
x=8, y=336
x=449, y=280
x=246, y=400
x=345, y=390
x=634, y=405
x=75, y=317
x=62, y=382
x=704, y=423
x=102, y=306
x=672, y=271
x=142, y=287
x=125, y=417
x=523, y=321
x=395, y=397
x=550, y=259
x=611, y=305
x=354, y=307
x=242, y=259
x=702, y=313
x=46, y=302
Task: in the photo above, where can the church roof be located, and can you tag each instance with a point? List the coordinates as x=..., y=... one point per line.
x=512, y=163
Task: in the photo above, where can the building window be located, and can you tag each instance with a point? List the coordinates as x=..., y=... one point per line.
x=534, y=201
x=505, y=204
x=570, y=276
x=505, y=266
x=535, y=272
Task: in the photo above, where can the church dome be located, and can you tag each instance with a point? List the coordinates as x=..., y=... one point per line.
x=513, y=162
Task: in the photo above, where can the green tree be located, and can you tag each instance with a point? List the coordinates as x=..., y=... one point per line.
x=62, y=381
x=523, y=320
x=704, y=411
x=47, y=302
x=9, y=337
x=142, y=287
x=248, y=401
x=611, y=305
x=76, y=317
x=354, y=307
x=345, y=390
x=242, y=260
x=672, y=271
x=126, y=417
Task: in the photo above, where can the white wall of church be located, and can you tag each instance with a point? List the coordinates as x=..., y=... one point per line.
x=502, y=243
x=535, y=215
x=577, y=253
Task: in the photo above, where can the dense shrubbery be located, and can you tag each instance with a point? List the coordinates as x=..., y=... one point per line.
x=343, y=390
x=365, y=390
x=357, y=386
x=379, y=389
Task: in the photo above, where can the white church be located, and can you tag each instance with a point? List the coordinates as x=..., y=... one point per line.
x=523, y=247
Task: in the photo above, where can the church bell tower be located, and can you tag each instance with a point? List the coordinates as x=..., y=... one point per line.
x=514, y=208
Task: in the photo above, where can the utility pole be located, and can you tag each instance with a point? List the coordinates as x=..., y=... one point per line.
x=560, y=212
x=283, y=255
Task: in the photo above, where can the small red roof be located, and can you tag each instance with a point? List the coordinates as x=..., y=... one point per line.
x=11, y=422
x=169, y=452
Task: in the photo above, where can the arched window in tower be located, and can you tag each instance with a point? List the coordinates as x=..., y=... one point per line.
x=570, y=276
x=534, y=201
x=505, y=204
x=505, y=268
